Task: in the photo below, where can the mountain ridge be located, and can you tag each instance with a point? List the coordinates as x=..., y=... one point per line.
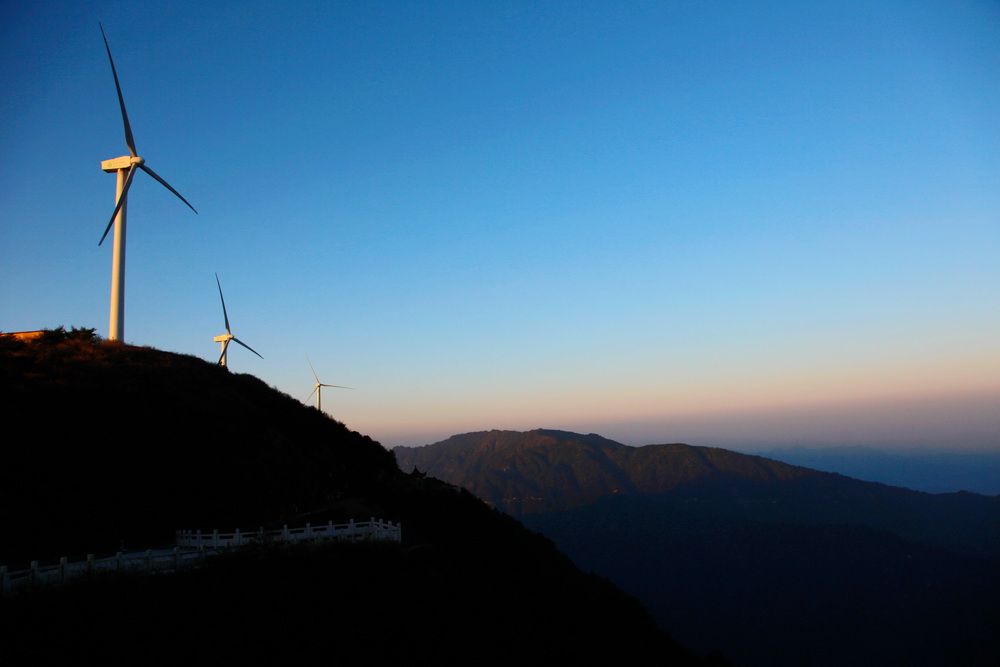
x=547, y=470
x=773, y=564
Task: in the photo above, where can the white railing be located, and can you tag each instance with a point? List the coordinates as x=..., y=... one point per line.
x=373, y=530
x=149, y=561
x=191, y=549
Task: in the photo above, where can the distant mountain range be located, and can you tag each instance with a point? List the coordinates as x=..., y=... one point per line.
x=773, y=563
x=930, y=470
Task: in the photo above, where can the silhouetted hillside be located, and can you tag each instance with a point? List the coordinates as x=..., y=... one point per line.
x=111, y=444
x=773, y=564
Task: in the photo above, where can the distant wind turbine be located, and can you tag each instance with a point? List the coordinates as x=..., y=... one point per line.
x=318, y=389
x=125, y=167
x=228, y=336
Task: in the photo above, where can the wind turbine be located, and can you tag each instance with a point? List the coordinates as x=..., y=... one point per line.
x=124, y=167
x=228, y=336
x=318, y=389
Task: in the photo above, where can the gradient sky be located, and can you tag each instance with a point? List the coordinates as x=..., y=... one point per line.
x=660, y=221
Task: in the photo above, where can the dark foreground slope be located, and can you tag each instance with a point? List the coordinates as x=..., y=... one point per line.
x=127, y=444
x=469, y=587
x=111, y=446
x=772, y=564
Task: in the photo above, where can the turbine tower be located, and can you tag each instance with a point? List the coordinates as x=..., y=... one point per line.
x=318, y=389
x=228, y=336
x=124, y=167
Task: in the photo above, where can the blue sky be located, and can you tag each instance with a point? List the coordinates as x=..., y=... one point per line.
x=660, y=221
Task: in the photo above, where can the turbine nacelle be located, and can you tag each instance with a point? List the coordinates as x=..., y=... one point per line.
x=123, y=162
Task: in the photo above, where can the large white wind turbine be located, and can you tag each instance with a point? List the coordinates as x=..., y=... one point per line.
x=228, y=336
x=318, y=389
x=125, y=167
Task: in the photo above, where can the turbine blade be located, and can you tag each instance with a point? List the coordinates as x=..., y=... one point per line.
x=313, y=369
x=121, y=201
x=223, y=306
x=225, y=346
x=336, y=385
x=246, y=346
x=310, y=395
x=166, y=185
x=129, y=140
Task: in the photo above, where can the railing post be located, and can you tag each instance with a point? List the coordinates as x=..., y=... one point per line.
x=34, y=571
x=149, y=559
x=215, y=538
x=90, y=565
x=62, y=569
x=118, y=562
x=237, y=540
x=177, y=559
